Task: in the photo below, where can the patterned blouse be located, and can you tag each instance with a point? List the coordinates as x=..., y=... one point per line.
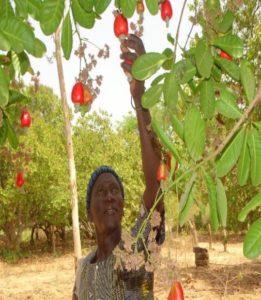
x=101, y=281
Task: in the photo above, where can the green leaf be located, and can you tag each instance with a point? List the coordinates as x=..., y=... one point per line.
x=258, y=125
x=170, y=39
x=185, y=71
x=254, y=143
x=39, y=48
x=226, y=104
x=11, y=135
x=251, y=205
x=232, y=44
x=244, y=162
x=231, y=154
x=227, y=22
x=3, y=132
x=207, y=98
x=229, y=67
x=194, y=133
x=51, y=15
x=24, y=62
x=34, y=8
x=204, y=59
x=252, y=241
x=67, y=39
x=147, y=64
x=83, y=18
x=4, y=88
x=158, y=79
x=212, y=200
x=166, y=142
x=87, y=5
x=19, y=34
x=248, y=80
x=153, y=6
x=167, y=65
x=15, y=62
x=170, y=90
x=6, y=9
x=177, y=126
x=101, y=5
x=21, y=8
x=216, y=73
x=186, y=201
x=128, y=7
x=221, y=203
x=4, y=43
x=152, y=96
x=15, y=97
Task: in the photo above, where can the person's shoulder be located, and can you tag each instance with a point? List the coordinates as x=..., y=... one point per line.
x=86, y=259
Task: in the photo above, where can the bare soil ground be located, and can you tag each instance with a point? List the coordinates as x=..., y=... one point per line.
x=229, y=274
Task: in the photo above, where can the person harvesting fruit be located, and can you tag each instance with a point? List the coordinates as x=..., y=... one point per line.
x=97, y=277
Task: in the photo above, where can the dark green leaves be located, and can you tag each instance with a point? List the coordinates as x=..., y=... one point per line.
x=153, y=6
x=248, y=80
x=152, y=96
x=185, y=71
x=3, y=132
x=231, y=44
x=11, y=135
x=101, y=5
x=243, y=166
x=204, y=59
x=51, y=15
x=128, y=7
x=147, y=64
x=231, y=154
x=221, y=203
x=194, y=133
x=228, y=67
x=227, y=22
x=252, y=241
x=251, y=205
x=254, y=143
x=4, y=88
x=212, y=200
x=170, y=90
x=67, y=39
x=19, y=35
x=83, y=18
x=207, y=99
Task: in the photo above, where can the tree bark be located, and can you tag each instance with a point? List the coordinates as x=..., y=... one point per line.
x=69, y=147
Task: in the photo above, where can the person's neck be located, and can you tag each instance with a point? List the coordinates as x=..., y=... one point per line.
x=106, y=244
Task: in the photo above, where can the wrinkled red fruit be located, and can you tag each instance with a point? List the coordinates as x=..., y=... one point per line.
x=120, y=26
x=225, y=55
x=166, y=10
x=19, y=179
x=25, y=119
x=77, y=94
x=176, y=292
x=161, y=172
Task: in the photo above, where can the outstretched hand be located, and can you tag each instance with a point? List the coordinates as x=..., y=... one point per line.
x=131, y=48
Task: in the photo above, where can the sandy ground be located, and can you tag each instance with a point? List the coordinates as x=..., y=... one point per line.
x=229, y=275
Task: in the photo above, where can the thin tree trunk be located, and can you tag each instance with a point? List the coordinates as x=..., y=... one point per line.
x=210, y=236
x=194, y=232
x=69, y=146
x=224, y=239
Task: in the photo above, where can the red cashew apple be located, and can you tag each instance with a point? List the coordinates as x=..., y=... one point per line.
x=176, y=292
x=121, y=28
x=25, y=118
x=161, y=172
x=225, y=55
x=77, y=94
x=19, y=179
x=166, y=11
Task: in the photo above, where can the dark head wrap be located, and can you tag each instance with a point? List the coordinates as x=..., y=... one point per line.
x=94, y=177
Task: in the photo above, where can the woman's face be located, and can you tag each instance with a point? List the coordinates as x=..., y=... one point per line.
x=106, y=208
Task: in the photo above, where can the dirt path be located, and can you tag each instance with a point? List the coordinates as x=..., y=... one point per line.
x=229, y=275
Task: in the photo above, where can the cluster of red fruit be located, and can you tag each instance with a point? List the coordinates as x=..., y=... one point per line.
x=80, y=94
x=121, y=28
x=25, y=122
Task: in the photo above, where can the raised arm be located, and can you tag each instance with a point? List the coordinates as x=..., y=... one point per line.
x=133, y=47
